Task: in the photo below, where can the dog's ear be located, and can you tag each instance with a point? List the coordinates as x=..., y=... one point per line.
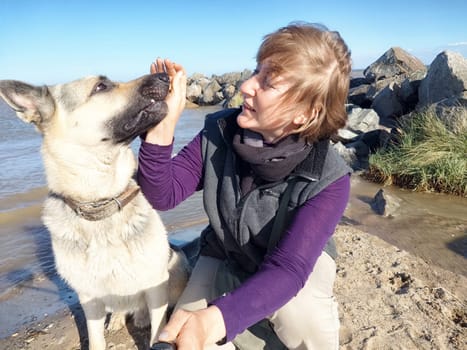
x=32, y=104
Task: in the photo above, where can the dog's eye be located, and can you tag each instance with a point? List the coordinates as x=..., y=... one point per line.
x=100, y=87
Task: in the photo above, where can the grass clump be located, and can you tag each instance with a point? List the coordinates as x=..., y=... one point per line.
x=429, y=154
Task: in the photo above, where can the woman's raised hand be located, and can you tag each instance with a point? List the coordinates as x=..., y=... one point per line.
x=162, y=134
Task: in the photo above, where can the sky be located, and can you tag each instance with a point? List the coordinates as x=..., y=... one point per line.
x=54, y=41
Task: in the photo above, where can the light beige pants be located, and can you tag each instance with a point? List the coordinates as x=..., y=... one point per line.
x=308, y=321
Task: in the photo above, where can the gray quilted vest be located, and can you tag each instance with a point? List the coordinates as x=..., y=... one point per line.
x=240, y=227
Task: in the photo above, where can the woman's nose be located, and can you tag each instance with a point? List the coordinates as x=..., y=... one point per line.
x=249, y=86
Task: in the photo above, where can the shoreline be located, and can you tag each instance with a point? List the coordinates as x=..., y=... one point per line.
x=386, y=296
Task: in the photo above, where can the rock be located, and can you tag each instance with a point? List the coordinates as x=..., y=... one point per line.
x=358, y=81
x=393, y=62
x=229, y=91
x=361, y=151
x=385, y=204
x=360, y=95
x=228, y=78
x=387, y=103
x=446, y=77
x=348, y=154
x=193, y=92
x=361, y=120
x=408, y=92
x=453, y=112
x=376, y=139
x=195, y=87
x=211, y=94
x=235, y=101
x=211, y=91
x=346, y=135
x=345, y=336
x=355, y=154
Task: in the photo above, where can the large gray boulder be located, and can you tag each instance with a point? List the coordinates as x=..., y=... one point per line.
x=361, y=95
x=193, y=92
x=195, y=87
x=212, y=94
x=387, y=103
x=361, y=120
x=408, y=92
x=446, y=77
x=392, y=63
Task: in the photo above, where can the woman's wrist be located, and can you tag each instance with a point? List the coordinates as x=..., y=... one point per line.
x=162, y=134
x=215, y=322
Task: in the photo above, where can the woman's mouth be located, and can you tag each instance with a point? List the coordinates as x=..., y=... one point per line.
x=247, y=107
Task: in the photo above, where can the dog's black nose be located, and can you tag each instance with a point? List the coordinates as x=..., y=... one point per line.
x=155, y=86
x=163, y=77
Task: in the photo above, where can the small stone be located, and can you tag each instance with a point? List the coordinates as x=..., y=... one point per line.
x=345, y=336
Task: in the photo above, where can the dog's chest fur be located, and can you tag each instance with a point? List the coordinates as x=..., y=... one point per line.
x=117, y=256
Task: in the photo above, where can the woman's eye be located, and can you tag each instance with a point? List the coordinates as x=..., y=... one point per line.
x=267, y=83
x=264, y=78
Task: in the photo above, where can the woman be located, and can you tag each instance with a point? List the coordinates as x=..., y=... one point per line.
x=274, y=190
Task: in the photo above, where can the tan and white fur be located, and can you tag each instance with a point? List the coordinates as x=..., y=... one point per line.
x=119, y=263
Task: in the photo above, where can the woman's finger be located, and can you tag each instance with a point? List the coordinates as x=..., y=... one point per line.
x=165, y=66
x=173, y=327
x=153, y=68
x=170, y=67
x=160, y=65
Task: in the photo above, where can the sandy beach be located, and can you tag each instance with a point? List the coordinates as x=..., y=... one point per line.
x=388, y=299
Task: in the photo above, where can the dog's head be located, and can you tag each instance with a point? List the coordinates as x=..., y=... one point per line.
x=93, y=110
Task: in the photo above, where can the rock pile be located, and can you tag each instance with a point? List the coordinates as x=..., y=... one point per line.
x=203, y=91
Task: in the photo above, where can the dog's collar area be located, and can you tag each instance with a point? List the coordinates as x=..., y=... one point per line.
x=101, y=209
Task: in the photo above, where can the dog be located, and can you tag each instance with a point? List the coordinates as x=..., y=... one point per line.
x=109, y=244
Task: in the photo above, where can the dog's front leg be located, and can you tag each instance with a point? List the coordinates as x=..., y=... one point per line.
x=157, y=301
x=94, y=310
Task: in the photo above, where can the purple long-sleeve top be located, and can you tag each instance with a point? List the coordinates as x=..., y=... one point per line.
x=167, y=181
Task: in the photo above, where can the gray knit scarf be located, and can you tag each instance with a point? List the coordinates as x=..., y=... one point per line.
x=270, y=162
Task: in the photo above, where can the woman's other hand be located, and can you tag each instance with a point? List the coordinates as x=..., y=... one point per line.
x=194, y=329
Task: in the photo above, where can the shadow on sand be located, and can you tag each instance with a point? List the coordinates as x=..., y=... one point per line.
x=44, y=254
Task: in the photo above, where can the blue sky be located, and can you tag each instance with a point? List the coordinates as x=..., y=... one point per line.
x=48, y=42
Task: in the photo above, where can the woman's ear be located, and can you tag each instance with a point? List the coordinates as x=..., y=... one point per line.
x=300, y=119
x=305, y=118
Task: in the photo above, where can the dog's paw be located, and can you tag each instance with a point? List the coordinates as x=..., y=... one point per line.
x=141, y=318
x=117, y=321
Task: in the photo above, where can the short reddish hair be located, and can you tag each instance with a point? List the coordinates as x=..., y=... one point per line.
x=317, y=63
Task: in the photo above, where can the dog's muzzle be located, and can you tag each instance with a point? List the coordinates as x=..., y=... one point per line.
x=156, y=86
x=147, y=109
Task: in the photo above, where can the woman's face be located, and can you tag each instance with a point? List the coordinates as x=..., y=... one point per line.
x=262, y=111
